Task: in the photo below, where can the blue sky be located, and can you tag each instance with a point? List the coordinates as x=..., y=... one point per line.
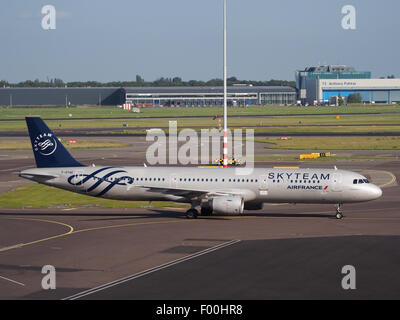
x=115, y=40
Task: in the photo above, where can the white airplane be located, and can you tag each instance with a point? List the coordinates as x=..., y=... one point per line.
x=215, y=191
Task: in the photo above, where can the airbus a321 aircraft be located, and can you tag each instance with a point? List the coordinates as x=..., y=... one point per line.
x=215, y=191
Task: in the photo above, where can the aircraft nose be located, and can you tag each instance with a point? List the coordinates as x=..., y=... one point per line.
x=374, y=191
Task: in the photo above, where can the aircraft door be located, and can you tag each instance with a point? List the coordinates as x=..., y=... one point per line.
x=173, y=181
x=337, y=182
x=263, y=185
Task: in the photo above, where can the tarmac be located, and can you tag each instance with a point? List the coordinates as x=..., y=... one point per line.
x=284, y=251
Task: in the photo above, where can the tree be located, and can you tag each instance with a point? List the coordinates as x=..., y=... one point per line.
x=340, y=100
x=177, y=81
x=139, y=79
x=354, y=98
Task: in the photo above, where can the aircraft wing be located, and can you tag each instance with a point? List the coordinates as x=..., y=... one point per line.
x=187, y=193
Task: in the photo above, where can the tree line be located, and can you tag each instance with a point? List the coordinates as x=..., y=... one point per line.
x=140, y=82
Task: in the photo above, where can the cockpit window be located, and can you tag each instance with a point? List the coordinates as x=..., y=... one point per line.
x=360, y=181
x=366, y=180
x=355, y=181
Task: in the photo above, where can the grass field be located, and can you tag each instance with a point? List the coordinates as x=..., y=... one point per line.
x=333, y=143
x=38, y=196
x=80, y=144
x=325, y=123
x=108, y=111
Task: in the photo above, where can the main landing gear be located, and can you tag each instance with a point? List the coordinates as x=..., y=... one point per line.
x=192, y=213
x=339, y=214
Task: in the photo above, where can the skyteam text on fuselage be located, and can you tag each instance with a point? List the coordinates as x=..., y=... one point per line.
x=215, y=191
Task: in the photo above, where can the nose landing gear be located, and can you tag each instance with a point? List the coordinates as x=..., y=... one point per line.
x=339, y=214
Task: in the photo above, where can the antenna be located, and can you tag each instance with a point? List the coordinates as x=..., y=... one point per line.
x=225, y=97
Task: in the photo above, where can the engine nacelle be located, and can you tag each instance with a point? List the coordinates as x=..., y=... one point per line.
x=253, y=206
x=227, y=205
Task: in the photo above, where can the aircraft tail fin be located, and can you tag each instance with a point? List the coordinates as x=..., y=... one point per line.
x=47, y=148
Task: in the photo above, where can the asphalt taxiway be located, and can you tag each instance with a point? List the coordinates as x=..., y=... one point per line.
x=283, y=251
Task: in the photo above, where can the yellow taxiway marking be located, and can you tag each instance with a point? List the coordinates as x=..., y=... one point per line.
x=130, y=225
x=391, y=181
x=73, y=231
x=393, y=177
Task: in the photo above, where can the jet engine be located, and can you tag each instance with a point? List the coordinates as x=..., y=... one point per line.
x=230, y=205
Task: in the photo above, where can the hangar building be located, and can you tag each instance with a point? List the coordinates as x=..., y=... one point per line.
x=382, y=91
x=60, y=96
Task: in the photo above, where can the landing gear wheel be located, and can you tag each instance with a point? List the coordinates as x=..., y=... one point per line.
x=339, y=214
x=192, y=214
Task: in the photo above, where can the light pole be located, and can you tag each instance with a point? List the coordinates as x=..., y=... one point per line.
x=225, y=97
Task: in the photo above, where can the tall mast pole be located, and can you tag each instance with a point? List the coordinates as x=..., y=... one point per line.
x=225, y=97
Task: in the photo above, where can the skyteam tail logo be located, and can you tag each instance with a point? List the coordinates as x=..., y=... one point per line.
x=45, y=144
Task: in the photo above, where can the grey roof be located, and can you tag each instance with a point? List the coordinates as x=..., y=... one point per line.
x=200, y=90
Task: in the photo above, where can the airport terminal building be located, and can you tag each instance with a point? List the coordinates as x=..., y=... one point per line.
x=211, y=96
x=318, y=85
